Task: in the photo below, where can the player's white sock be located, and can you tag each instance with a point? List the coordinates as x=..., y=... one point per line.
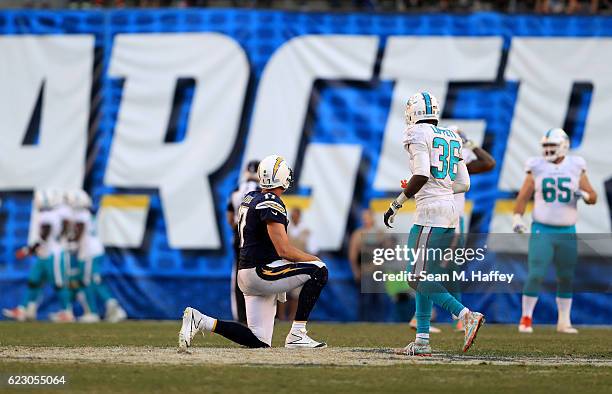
x=564, y=306
x=203, y=321
x=463, y=313
x=31, y=310
x=422, y=338
x=298, y=325
x=529, y=304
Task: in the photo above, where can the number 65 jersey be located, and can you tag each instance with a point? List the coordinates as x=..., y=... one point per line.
x=555, y=184
x=441, y=150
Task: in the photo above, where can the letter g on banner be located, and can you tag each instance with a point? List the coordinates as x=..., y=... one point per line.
x=139, y=158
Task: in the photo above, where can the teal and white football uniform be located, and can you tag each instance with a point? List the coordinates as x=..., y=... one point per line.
x=554, y=222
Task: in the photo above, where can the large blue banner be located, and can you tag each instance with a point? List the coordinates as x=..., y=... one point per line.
x=161, y=109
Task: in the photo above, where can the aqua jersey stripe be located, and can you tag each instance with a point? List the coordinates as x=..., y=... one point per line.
x=427, y=103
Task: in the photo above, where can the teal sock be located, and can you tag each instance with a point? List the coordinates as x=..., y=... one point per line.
x=423, y=313
x=457, y=296
x=63, y=294
x=446, y=301
x=100, y=290
x=32, y=295
x=90, y=298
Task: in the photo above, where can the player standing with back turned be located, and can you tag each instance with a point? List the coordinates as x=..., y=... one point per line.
x=438, y=172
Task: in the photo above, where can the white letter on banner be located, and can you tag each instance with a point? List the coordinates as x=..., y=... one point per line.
x=547, y=68
x=280, y=110
x=330, y=171
x=151, y=65
x=427, y=64
x=60, y=67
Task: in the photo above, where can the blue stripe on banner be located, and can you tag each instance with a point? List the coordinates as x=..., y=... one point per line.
x=427, y=103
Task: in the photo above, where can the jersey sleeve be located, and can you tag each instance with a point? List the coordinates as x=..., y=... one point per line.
x=531, y=164
x=47, y=218
x=580, y=163
x=81, y=216
x=415, y=135
x=272, y=210
x=468, y=155
x=419, y=158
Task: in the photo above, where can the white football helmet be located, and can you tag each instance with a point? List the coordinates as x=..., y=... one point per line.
x=47, y=198
x=422, y=106
x=273, y=171
x=78, y=199
x=555, y=144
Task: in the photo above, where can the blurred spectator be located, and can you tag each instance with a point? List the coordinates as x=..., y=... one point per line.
x=509, y=6
x=372, y=303
x=300, y=237
x=569, y=6
x=248, y=183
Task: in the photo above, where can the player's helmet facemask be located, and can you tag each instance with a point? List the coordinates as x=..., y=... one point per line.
x=555, y=144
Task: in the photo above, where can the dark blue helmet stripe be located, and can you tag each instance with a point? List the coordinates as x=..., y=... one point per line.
x=427, y=103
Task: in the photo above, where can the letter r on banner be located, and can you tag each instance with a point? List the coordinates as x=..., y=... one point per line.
x=139, y=158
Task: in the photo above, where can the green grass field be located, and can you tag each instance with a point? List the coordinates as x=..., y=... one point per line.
x=140, y=357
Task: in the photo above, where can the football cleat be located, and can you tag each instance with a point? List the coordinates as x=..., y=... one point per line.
x=472, y=323
x=416, y=349
x=525, y=326
x=189, y=329
x=114, y=312
x=566, y=329
x=89, y=318
x=17, y=313
x=62, y=317
x=432, y=329
x=299, y=339
x=459, y=325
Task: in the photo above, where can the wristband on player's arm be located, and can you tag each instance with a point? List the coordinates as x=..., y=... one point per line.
x=399, y=201
x=584, y=195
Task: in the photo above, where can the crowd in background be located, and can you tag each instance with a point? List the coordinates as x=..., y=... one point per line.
x=510, y=6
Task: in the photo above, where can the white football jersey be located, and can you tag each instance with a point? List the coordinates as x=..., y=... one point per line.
x=435, y=203
x=555, y=184
x=468, y=157
x=51, y=245
x=90, y=245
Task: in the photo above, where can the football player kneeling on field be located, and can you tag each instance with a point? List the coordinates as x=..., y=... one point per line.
x=269, y=266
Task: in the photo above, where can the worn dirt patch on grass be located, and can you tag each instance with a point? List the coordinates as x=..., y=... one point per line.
x=340, y=356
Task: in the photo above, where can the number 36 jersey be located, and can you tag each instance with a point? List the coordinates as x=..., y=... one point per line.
x=435, y=201
x=555, y=184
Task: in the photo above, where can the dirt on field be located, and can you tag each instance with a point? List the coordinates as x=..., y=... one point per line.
x=339, y=356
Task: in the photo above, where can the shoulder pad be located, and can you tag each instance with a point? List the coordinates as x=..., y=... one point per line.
x=532, y=162
x=271, y=204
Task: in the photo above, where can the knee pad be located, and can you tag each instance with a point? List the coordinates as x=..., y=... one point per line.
x=535, y=278
x=320, y=275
